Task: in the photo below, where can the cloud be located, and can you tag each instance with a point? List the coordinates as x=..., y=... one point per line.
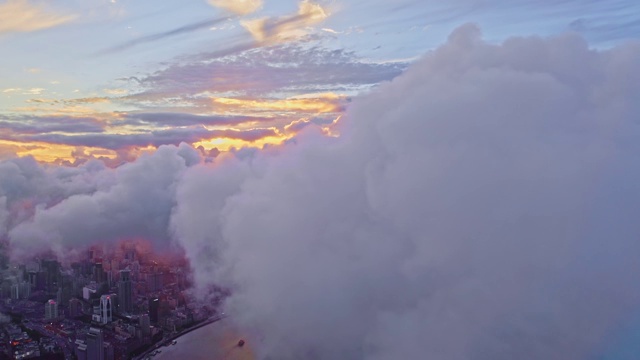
x=90, y=100
x=186, y=119
x=22, y=16
x=322, y=104
x=139, y=204
x=34, y=91
x=163, y=35
x=240, y=7
x=156, y=138
x=481, y=205
x=29, y=124
x=260, y=72
x=274, y=30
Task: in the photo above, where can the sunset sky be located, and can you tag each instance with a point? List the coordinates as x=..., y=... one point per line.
x=366, y=179
x=114, y=78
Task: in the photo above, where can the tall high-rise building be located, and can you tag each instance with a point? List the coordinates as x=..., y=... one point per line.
x=154, y=282
x=106, y=309
x=51, y=270
x=154, y=309
x=125, y=292
x=51, y=310
x=98, y=273
x=32, y=277
x=81, y=350
x=15, y=292
x=108, y=350
x=145, y=325
x=20, y=290
x=75, y=308
x=95, y=347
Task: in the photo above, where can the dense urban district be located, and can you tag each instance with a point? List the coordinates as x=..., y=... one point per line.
x=124, y=303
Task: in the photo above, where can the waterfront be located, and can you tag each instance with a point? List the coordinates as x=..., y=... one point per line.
x=216, y=341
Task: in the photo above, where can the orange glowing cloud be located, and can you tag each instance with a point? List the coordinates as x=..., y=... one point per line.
x=273, y=30
x=227, y=144
x=51, y=153
x=22, y=16
x=240, y=7
x=327, y=103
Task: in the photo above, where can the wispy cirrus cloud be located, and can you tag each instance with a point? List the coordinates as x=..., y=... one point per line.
x=24, y=16
x=163, y=35
x=240, y=7
x=173, y=136
x=18, y=125
x=257, y=73
x=325, y=103
x=185, y=119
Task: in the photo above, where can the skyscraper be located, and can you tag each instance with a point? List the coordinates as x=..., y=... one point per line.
x=98, y=273
x=51, y=270
x=95, y=349
x=125, y=296
x=154, y=282
x=106, y=309
x=51, y=310
x=145, y=325
x=108, y=351
x=81, y=350
x=75, y=308
x=154, y=309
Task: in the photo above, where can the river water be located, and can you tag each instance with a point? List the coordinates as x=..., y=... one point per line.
x=217, y=341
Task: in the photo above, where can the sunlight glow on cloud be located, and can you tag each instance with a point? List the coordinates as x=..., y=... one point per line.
x=325, y=104
x=22, y=16
x=227, y=144
x=240, y=7
x=273, y=30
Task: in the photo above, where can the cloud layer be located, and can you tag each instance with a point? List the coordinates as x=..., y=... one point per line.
x=481, y=205
x=23, y=16
x=240, y=7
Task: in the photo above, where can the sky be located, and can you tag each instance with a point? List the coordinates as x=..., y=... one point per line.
x=370, y=180
x=112, y=79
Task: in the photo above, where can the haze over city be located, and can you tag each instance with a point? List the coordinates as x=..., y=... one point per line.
x=330, y=179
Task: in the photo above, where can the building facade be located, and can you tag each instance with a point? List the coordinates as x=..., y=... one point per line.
x=125, y=292
x=106, y=309
x=51, y=310
x=95, y=346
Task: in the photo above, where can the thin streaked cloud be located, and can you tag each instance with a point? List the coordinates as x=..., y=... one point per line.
x=25, y=16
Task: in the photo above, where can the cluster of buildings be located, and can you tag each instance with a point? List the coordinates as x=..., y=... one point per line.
x=106, y=306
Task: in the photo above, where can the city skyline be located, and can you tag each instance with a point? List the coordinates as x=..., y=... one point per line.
x=94, y=316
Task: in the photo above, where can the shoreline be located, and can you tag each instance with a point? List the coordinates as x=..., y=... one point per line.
x=167, y=342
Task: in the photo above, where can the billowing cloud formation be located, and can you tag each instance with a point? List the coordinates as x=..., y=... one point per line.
x=91, y=204
x=241, y=7
x=481, y=205
x=21, y=16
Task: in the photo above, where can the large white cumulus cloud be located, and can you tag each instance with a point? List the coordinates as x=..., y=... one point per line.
x=483, y=205
x=102, y=204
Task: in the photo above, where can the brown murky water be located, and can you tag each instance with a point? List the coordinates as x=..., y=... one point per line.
x=218, y=341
